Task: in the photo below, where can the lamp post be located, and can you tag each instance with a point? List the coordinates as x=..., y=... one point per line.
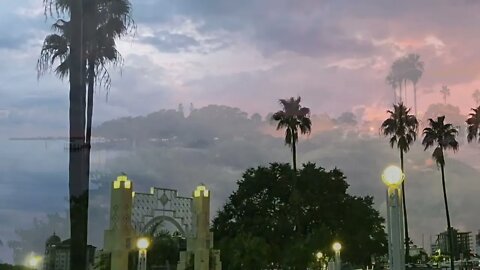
x=142, y=244
x=338, y=262
x=33, y=261
x=393, y=177
x=319, y=257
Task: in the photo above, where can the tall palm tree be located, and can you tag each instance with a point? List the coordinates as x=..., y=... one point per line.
x=442, y=136
x=445, y=91
x=414, y=73
x=293, y=117
x=393, y=82
x=78, y=183
x=398, y=71
x=402, y=128
x=473, y=123
x=476, y=97
x=107, y=21
x=402, y=70
x=100, y=23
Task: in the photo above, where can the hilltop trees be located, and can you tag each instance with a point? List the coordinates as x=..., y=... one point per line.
x=256, y=228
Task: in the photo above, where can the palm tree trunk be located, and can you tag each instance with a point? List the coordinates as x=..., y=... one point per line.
x=449, y=226
x=400, y=92
x=77, y=182
x=407, y=238
x=415, y=98
x=405, y=89
x=91, y=83
x=394, y=96
x=294, y=153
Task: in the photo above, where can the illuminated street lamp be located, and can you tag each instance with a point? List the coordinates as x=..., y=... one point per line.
x=142, y=244
x=319, y=256
x=33, y=261
x=337, y=247
x=393, y=177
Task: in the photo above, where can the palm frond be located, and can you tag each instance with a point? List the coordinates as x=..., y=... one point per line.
x=473, y=125
x=401, y=126
x=441, y=135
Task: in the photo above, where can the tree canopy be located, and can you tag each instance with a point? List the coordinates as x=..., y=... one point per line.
x=256, y=227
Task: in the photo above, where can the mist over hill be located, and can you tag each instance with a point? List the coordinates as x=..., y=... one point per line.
x=215, y=144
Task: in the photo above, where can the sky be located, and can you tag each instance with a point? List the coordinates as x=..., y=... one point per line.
x=335, y=54
x=246, y=54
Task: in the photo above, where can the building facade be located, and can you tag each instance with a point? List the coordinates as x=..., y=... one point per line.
x=200, y=254
x=477, y=243
x=57, y=254
x=462, y=244
x=161, y=210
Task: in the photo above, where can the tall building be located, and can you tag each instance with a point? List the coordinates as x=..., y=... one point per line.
x=200, y=240
x=462, y=243
x=57, y=254
x=477, y=243
x=120, y=238
x=161, y=210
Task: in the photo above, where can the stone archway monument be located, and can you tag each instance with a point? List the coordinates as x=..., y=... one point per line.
x=161, y=210
x=200, y=250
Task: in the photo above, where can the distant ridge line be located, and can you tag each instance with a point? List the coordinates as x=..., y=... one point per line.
x=50, y=138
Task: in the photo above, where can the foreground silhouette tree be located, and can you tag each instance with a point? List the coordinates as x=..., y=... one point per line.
x=402, y=128
x=473, y=125
x=87, y=40
x=256, y=228
x=442, y=136
x=78, y=182
x=107, y=21
x=293, y=118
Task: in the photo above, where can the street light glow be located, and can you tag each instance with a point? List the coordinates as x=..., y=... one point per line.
x=392, y=176
x=337, y=246
x=143, y=243
x=33, y=261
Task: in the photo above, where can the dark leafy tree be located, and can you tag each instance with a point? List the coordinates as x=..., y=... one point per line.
x=4, y=266
x=402, y=128
x=442, y=136
x=256, y=228
x=473, y=125
x=293, y=117
x=164, y=251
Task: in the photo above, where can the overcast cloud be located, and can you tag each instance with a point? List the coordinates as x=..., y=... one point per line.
x=246, y=54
